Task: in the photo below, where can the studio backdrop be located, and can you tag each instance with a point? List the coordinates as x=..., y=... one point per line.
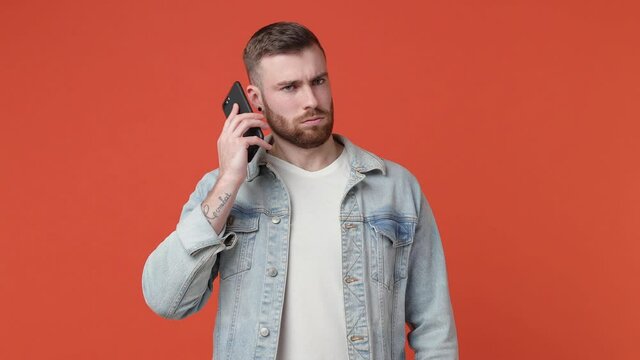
x=519, y=119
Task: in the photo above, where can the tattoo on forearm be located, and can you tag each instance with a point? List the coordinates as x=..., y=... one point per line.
x=215, y=213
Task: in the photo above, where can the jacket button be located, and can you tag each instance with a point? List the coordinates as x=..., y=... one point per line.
x=275, y=220
x=264, y=332
x=273, y=272
x=350, y=279
x=230, y=220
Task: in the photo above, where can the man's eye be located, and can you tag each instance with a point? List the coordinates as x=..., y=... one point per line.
x=320, y=81
x=287, y=88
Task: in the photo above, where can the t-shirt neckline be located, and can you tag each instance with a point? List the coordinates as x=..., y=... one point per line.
x=300, y=171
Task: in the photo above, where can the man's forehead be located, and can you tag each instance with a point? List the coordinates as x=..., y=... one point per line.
x=305, y=64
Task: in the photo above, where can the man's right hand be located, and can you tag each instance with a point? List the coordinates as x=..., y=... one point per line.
x=232, y=155
x=232, y=146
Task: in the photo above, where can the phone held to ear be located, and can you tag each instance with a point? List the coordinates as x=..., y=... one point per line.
x=236, y=95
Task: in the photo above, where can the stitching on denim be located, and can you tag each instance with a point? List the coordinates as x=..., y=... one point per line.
x=241, y=258
x=394, y=308
x=382, y=327
x=236, y=302
x=404, y=262
x=356, y=351
x=379, y=258
x=357, y=257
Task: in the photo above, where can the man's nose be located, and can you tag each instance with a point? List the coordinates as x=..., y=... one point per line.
x=309, y=98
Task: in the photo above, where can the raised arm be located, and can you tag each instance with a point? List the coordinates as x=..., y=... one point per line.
x=178, y=275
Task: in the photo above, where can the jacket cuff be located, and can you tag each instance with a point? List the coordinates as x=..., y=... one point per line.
x=196, y=233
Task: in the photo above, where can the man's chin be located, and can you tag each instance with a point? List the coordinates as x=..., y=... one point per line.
x=306, y=140
x=320, y=136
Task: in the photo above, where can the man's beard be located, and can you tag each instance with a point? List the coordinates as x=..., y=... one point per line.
x=292, y=131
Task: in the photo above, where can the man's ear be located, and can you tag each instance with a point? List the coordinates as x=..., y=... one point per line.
x=255, y=97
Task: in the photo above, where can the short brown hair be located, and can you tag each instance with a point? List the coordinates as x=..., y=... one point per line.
x=277, y=38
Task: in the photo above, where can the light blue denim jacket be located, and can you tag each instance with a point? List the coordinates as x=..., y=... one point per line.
x=393, y=264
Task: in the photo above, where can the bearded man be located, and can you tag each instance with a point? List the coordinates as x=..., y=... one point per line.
x=324, y=250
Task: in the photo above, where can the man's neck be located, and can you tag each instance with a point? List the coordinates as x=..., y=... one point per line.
x=313, y=159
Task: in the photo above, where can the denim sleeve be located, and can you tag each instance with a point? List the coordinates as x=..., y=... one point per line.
x=178, y=275
x=428, y=306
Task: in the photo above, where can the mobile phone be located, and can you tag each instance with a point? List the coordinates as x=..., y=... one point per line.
x=236, y=95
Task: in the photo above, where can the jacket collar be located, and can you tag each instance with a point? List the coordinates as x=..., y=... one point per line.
x=360, y=160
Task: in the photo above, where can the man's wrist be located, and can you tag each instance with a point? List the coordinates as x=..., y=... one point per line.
x=225, y=180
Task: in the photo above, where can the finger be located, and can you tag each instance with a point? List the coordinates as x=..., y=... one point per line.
x=238, y=119
x=234, y=111
x=247, y=124
x=254, y=140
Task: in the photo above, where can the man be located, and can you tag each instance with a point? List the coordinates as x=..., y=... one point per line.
x=324, y=250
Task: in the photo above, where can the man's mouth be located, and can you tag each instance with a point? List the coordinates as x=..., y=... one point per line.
x=313, y=120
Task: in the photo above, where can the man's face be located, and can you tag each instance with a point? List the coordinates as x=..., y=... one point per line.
x=296, y=97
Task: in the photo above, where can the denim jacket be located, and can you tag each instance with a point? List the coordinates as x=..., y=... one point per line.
x=393, y=264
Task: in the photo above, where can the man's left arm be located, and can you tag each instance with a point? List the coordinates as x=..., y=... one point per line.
x=427, y=304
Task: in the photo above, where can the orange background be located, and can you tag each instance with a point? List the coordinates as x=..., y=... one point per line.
x=520, y=119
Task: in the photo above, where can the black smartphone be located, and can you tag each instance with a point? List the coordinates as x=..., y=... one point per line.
x=236, y=95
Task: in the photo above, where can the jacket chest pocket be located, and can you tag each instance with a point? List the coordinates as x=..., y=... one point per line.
x=238, y=259
x=391, y=241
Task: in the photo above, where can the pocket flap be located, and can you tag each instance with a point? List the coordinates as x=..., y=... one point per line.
x=242, y=223
x=400, y=232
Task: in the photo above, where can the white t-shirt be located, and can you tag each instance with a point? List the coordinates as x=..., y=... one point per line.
x=313, y=319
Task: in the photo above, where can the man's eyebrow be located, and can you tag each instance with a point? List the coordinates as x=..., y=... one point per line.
x=287, y=82
x=294, y=82
x=321, y=75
